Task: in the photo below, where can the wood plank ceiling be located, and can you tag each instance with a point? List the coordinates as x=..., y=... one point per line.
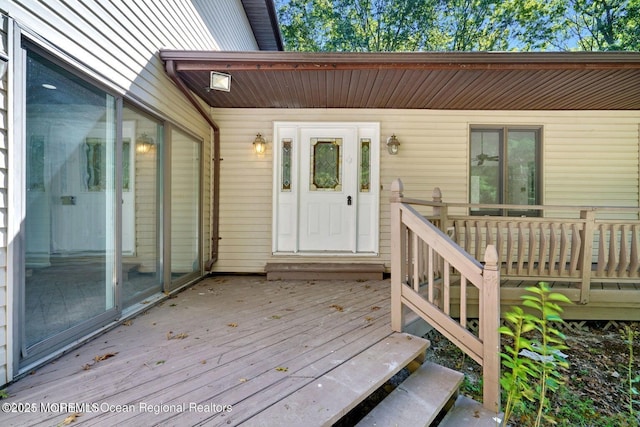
x=456, y=81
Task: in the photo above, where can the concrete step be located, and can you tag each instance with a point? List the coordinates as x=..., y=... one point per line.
x=327, y=399
x=323, y=271
x=418, y=400
x=469, y=413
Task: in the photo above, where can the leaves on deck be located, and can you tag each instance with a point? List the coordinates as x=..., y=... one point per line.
x=70, y=419
x=282, y=369
x=128, y=322
x=97, y=359
x=369, y=319
x=275, y=316
x=375, y=308
x=180, y=336
x=232, y=325
x=337, y=307
x=105, y=356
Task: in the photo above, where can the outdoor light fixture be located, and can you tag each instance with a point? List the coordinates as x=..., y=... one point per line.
x=259, y=144
x=220, y=81
x=393, y=144
x=144, y=143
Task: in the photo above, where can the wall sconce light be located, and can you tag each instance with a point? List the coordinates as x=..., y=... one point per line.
x=393, y=145
x=259, y=144
x=144, y=144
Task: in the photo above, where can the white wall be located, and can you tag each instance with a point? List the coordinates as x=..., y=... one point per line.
x=589, y=158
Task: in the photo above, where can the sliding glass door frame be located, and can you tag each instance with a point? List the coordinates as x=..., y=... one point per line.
x=26, y=357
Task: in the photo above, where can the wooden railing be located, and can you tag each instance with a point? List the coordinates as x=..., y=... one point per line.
x=423, y=261
x=577, y=246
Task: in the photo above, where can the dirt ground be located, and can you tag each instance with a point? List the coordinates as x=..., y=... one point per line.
x=598, y=372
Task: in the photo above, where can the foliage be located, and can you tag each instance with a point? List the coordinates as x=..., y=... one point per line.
x=459, y=25
x=538, y=359
x=576, y=411
x=629, y=335
x=603, y=24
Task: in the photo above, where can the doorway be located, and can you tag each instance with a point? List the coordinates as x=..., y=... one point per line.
x=326, y=185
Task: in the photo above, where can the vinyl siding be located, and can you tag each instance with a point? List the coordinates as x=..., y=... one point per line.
x=4, y=123
x=589, y=158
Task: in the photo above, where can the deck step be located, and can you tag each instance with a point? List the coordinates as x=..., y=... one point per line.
x=323, y=271
x=418, y=400
x=469, y=413
x=325, y=400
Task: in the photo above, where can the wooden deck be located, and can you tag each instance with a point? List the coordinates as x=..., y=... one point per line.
x=234, y=345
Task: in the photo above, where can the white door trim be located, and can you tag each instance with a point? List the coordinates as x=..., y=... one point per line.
x=287, y=199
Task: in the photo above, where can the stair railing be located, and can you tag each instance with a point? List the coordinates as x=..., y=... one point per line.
x=423, y=260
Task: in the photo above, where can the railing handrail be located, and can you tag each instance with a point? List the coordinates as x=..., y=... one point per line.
x=576, y=208
x=485, y=348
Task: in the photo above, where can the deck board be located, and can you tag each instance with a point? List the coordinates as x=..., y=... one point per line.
x=306, y=327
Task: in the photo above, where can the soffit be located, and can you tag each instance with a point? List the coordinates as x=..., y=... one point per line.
x=455, y=81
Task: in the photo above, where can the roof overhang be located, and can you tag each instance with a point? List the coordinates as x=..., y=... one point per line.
x=263, y=19
x=417, y=80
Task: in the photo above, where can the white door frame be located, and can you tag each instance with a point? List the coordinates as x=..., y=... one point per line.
x=287, y=200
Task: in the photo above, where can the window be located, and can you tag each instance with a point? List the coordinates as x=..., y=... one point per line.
x=505, y=169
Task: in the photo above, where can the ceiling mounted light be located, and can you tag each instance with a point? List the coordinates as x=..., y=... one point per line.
x=220, y=81
x=393, y=145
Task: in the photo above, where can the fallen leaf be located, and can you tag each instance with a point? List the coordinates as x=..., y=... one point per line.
x=369, y=319
x=71, y=418
x=203, y=362
x=232, y=325
x=180, y=336
x=275, y=316
x=127, y=322
x=337, y=307
x=375, y=308
x=160, y=362
x=282, y=369
x=243, y=380
x=104, y=357
x=86, y=367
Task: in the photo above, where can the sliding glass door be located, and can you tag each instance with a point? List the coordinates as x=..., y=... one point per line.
x=111, y=213
x=71, y=203
x=185, y=207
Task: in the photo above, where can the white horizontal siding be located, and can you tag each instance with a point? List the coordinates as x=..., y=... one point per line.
x=590, y=158
x=4, y=122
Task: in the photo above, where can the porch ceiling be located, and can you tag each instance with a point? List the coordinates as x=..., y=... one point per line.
x=417, y=80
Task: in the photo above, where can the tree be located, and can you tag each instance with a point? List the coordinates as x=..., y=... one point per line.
x=357, y=25
x=598, y=25
x=459, y=25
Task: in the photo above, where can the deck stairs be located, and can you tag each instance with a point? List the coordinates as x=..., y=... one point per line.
x=340, y=397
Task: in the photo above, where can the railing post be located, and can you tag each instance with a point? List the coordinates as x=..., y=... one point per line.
x=398, y=248
x=490, y=322
x=441, y=212
x=585, y=258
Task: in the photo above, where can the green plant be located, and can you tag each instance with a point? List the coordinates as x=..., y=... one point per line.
x=514, y=380
x=628, y=336
x=4, y=394
x=538, y=359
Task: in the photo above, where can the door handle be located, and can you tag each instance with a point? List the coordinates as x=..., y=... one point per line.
x=349, y=200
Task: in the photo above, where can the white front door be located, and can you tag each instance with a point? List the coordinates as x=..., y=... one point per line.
x=328, y=198
x=326, y=188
